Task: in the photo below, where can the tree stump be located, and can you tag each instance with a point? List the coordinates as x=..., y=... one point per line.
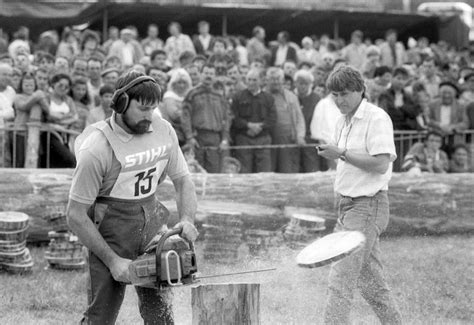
x=230, y=304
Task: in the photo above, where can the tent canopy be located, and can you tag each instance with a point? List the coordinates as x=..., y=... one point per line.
x=228, y=17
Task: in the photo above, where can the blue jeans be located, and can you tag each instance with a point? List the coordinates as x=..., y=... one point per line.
x=362, y=269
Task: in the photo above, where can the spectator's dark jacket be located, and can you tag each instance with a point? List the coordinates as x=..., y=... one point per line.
x=308, y=104
x=470, y=115
x=290, y=54
x=403, y=118
x=200, y=48
x=257, y=109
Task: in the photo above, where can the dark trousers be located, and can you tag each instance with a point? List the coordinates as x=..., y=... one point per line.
x=310, y=160
x=285, y=160
x=127, y=228
x=59, y=154
x=210, y=159
x=19, y=150
x=253, y=160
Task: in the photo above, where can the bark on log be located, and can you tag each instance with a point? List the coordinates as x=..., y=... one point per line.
x=233, y=304
x=430, y=204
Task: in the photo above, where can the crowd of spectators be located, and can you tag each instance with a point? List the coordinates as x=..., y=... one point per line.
x=236, y=91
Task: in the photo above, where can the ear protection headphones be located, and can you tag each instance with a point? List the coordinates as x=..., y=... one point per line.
x=120, y=99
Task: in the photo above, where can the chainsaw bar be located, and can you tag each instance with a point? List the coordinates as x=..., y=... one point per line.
x=234, y=273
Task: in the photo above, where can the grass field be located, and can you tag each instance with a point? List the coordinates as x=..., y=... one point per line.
x=432, y=279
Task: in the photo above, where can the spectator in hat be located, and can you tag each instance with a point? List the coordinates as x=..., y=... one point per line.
x=177, y=43
x=392, y=52
x=152, y=42
x=467, y=95
x=127, y=48
x=355, y=52
x=109, y=76
x=283, y=51
x=204, y=41
x=446, y=113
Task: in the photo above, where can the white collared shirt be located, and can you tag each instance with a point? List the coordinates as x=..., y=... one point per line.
x=370, y=131
x=280, y=56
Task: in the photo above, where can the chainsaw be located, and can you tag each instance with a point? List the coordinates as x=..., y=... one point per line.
x=169, y=263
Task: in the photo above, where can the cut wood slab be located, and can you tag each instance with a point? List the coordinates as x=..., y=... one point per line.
x=429, y=204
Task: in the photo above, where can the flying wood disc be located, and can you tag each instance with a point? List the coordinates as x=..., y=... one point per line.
x=330, y=248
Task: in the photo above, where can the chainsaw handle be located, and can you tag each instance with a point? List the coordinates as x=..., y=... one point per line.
x=159, y=249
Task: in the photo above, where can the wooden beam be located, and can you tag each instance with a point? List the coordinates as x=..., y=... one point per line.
x=430, y=204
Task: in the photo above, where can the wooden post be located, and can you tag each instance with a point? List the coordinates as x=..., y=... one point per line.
x=33, y=137
x=230, y=304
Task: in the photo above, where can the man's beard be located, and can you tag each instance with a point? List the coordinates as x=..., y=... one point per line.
x=139, y=128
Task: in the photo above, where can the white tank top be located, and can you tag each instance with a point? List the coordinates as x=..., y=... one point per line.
x=58, y=110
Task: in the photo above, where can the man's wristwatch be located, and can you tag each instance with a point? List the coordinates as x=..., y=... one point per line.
x=342, y=156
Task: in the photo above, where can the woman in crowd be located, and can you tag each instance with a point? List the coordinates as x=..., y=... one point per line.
x=171, y=107
x=28, y=99
x=62, y=114
x=80, y=96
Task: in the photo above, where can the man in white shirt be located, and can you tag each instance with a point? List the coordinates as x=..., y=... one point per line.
x=204, y=42
x=7, y=94
x=177, y=43
x=283, y=52
x=364, y=147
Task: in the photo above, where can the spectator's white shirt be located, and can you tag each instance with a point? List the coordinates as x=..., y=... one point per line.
x=205, y=41
x=6, y=104
x=280, y=56
x=445, y=115
x=127, y=54
x=324, y=120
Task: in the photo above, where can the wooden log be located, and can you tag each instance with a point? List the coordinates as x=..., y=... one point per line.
x=33, y=141
x=430, y=204
x=231, y=304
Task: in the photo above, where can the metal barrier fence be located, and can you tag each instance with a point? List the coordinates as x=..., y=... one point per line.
x=9, y=134
x=14, y=138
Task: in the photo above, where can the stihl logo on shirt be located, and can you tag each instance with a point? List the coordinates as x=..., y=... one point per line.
x=144, y=157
